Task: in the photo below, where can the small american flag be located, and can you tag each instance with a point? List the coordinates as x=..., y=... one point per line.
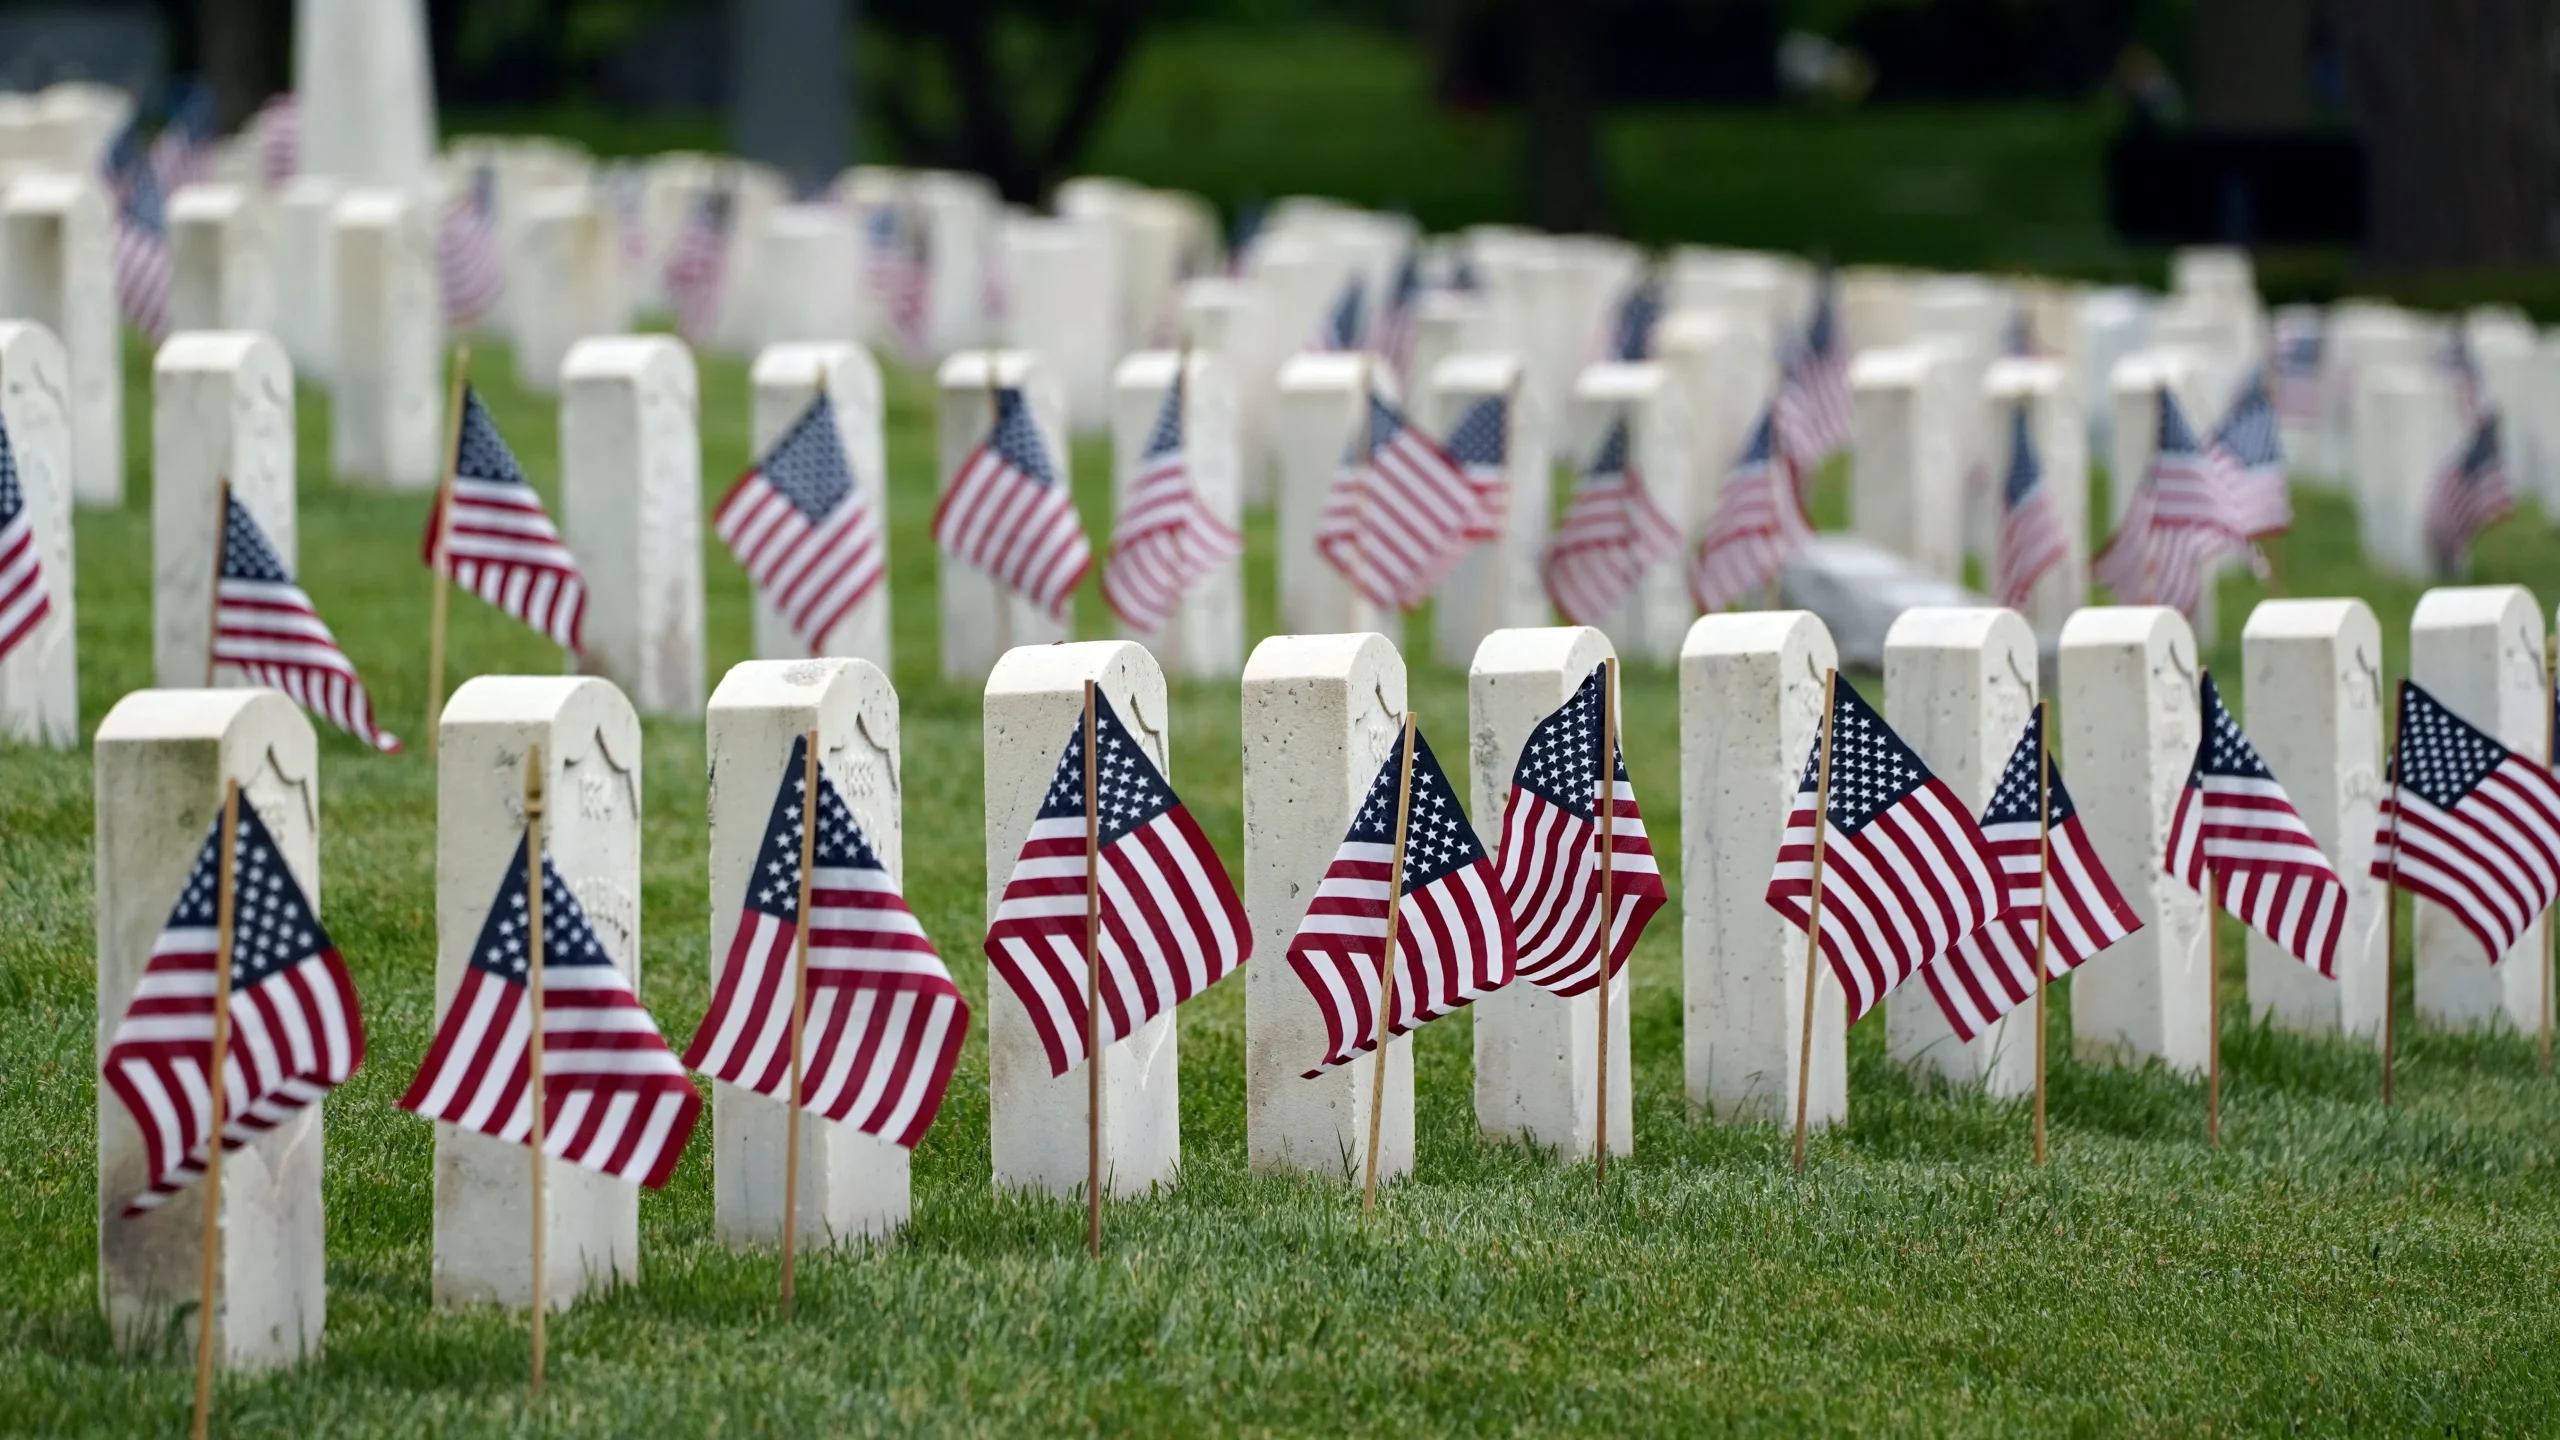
x=1402, y=511
x=2471, y=492
x=2462, y=367
x=183, y=152
x=2180, y=521
x=295, y=1029
x=25, y=600
x=1454, y=937
x=1638, y=315
x=698, y=265
x=1993, y=970
x=2031, y=541
x=278, y=126
x=1551, y=850
x=1758, y=525
x=2018, y=332
x=1165, y=540
x=884, y=1021
x=2478, y=827
x=1401, y=319
x=1813, y=405
x=1007, y=513
x=803, y=529
x=469, y=271
x=614, y=1097
x=1610, y=535
x=2249, y=450
x=2295, y=342
x=899, y=272
x=1905, y=871
x=1171, y=923
x=499, y=544
x=144, y=267
x=2236, y=824
x=1343, y=328
x=264, y=624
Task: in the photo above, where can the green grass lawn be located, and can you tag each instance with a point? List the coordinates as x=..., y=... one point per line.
x=2331, y=1269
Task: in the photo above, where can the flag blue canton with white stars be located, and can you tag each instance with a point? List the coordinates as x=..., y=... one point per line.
x=1612, y=459
x=1560, y=762
x=2480, y=457
x=272, y=927
x=1482, y=437
x=2249, y=431
x=2026, y=471
x=841, y=845
x=2442, y=756
x=482, y=453
x=566, y=937
x=12, y=498
x=1438, y=839
x=1017, y=440
x=2015, y=800
x=2176, y=436
x=808, y=463
x=246, y=555
x=2226, y=750
x=1166, y=437
x=1871, y=769
x=1128, y=789
x=1764, y=441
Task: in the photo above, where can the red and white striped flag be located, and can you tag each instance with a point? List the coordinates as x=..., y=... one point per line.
x=1171, y=923
x=143, y=265
x=803, y=529
x=499, y=543
x=884, y=1021
x=899, y=273
x=1906, y=873
x=1758, y=525
x=2235, y=824
x=295, y=1030
x=2250, y=451
x=697, y=269
x=469, y=270
x=1993, y=970
x=614, y=1098
x=25, y=599
x=1402, y=511
x=2031, y=541
x=1551, y=850
x=278, y=126
x=2295, y=340
x=1813, y=407
x=1455, y=942
x=1610, y=535
x=2181, y=520
x=2471, y=493
x=2479, y=825
x=1008, y=513
x=265, y=625
x=1165, y=540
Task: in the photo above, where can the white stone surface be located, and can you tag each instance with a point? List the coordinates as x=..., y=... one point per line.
x=386, y=419
x=1750, y=712
x=631, y=511
x=813, y=276
x=40, y=677
x=2126, y=738
x=1065, y=299
x=162, y=759
x=1321, y=418
x=2362, y=336
x=2108, y=324
x=2407, y=425
x=57, y=269
x=222, y=408
x=2315, y=712
x=961, y=214
x=304, y=218
x=786, y=379
x=76, y=121
x=1907, y=459
x=1725, y=365
x=981, y=620
x=360, y=70
x=2061, y=442
x=1321, y=714
x=1036, y=1121
x=1654, y=619
x=1537, y=1055
x=221, y=260
x=1876, y=306
x=1959, y=685
x=2134, y=384
x=1223, y=316
x=563, y=283
x=1497, y=585
x=590, y=743
x=1445, y=323
x=1205, y=635
x=2478, y=649
x=851, y=1184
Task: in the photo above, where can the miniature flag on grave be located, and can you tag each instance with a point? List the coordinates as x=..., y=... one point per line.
x=1008, y=515
x=899, y=275
x=2181, y=520
x=1401, y=318
x=491, y=536
x=296, y=1032
x=2469, y=824
x=2031, y=541
x=1610, y=535
x=1812, y=408
x=469, y=271
x=697, y=267
x=25, y=599
x=2237, y=829
x=1342, y=328
x=1639, y=313
x=2249, y=451
x=264, y=624
x=144, y=268
x=2470, y=493
x=1402, y=511
x=1758, y=526
x=1165, y=539
x=1551, y=850
x=804, y=530
x=883, y=1022
x=2295, y=346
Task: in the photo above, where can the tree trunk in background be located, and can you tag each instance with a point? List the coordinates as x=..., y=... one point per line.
x=1560, y=136
x=2454, y=101
x=2252, y=61
x=233, y=40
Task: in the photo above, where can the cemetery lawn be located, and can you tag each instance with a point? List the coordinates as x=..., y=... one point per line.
x=2330, y=1270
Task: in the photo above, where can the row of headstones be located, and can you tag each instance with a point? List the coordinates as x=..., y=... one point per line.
x=1319, y=714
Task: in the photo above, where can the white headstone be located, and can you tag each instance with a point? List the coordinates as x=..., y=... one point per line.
x=757, y=193
x=77, y=121
x=2315, y=697
x=2539, y=417
x=1654, y=620
x=1750, y=711
x=56, y=254
x=787, y=378
x=631, y=510
x=1725, y=366
x=40, y=677
x=2040, y=387
x=1321, y=416
x=1497, y=585
x=1065, y=298
x=851, y=1183
x=1959, y=685
x=1300, y=280
x=386, y=418
x=1445, y=323
x=162, y=759
x=2360, y=336
x=1876, y=306
x=2478, y=649
x=563, y=283
x=1906, y=473
x=982, y=620
x=221, y=261
x=306, y=249
x=1036, y=1121
x=2126, y=738
x=2407, y=425
x=591, y=829
x=1223, y=316
x=1205, y=635
x=1537, y=1055
x=2110, y=324
x=221, y=409
x=2134, y=384
x=960, y=218
x=812, y=267
x=1321, y=714
x=360, y=71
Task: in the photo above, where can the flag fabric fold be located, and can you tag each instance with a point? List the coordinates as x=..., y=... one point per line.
x=265, y=625
x=1610, y=536
x=2031, y=535
x=2180, y=521
x=25, y=597
x=2235, y=828
x=1402, y=511
x=1007, y=512
x=804, y=529
x=2470, y=493
x=499, y=543
x=1164, y=541
x=1758, y=525
x=1812, y=410
x=2478, y=826
x=1550, y=864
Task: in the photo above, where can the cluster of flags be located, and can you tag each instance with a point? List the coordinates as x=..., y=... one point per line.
x=1759, y=521
x=2470, y=491
x=2199, y=504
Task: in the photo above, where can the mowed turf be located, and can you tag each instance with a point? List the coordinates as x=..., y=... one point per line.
x=2331, y=1269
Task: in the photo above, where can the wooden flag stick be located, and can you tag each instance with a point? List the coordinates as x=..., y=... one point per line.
x=2390, y=896
x=2213, y=1013
x=1387, y=968
x=224, y=902
x=1608, y=802
x=533, y=877
x=1092, y=987
x=1813, y=912
x=2551, y=758
x=799, y=1021
x=221, y=557
x=2044, y=901
x=439, y=561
